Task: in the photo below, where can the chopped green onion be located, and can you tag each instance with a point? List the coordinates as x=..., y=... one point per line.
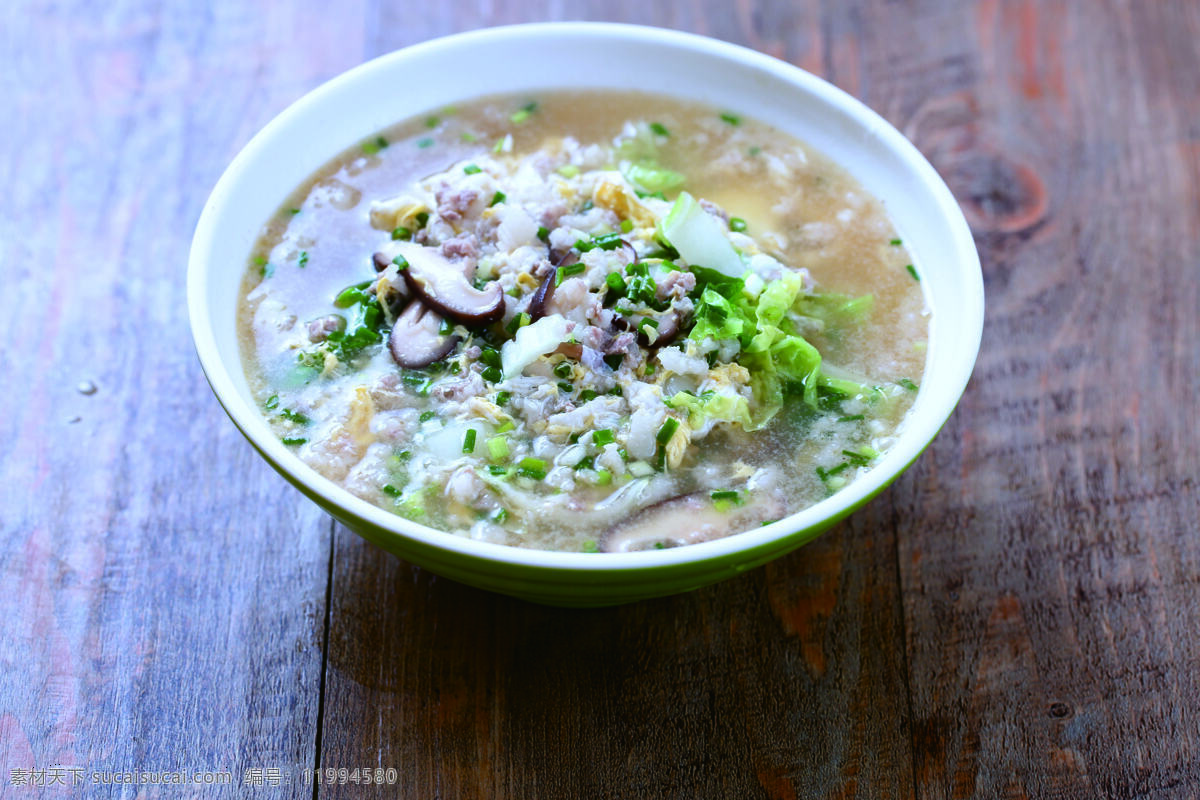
x=590, y=546
x=895, y=243
x=659, y=129
x=568, y=170
x=614, y=361
x=427, y=415
x=520, y=116
x=471, y=169
x=907, y=384
x=667, y=430
x=293, y=211
x=391, y=491
x=732, y=119
x=518, y=322
x=626, y=225
x=303, y=260
x=498, y=447
x=490, y=356
x=294, y=416
x=856, y=459
x=912, y=271
x=754, y=150
x=543, y=233
x=602, y=437
x=492, y=374
x=293, y=441
x=615, y=282
x=562, y=369
x=499, y=516
x=432, y=122
x=375, y=145
x=401, y=262
x=603, y=477
x=272, y=402
x=587, y=394
x=587, y=463
x=532, y=467
x=506, y=426
x=422, y=218
x=498, y=197
x=737, y=224
x=496, y=469
x=401, y=233
x=851, y=418
x=469, y=441
x=565, y=387
x=502, y=398
x=728, y=494
x=569, y=269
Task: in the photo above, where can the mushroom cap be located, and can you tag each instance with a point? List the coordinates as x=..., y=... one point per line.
x=443, y=286
x=416, y=340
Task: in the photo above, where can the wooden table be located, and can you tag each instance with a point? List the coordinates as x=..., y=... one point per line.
x=1018, y=616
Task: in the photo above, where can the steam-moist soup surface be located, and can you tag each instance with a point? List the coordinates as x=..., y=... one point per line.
x=584, y=321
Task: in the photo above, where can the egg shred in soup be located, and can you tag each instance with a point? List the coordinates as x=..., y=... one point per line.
x=584, y=322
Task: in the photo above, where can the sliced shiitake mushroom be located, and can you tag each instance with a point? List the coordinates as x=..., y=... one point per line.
x=542, y=296
x=681, y=520
x=444, y=286
x=417, y=339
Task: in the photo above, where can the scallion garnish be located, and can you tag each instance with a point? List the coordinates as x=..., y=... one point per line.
x=469, y=441
x=289, y=441
x=568, y=270
x=602, y=437
x=659, y=129
x=502, y=398
x=390, y=491
x=471, y=169
x=737, y=224
x=497, y=198
x=912, y=271
x=498, y=447
x=426, y=416
x=667, y=430
x=401, y=234
x=532, y=467
x=543, y=233
x=492, y=374
x=732, y=119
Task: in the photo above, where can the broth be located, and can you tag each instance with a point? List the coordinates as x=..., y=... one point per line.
x=600, y=417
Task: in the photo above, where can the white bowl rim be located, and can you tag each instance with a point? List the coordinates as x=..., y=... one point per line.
x=918, y=433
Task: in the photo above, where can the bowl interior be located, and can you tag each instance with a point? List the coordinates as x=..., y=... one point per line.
x=563, y=56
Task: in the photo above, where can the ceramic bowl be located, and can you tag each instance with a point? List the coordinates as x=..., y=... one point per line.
x=525, y=58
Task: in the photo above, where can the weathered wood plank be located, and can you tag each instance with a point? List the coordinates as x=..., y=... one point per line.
x=785, y=683
x=1048, y=557
x=164, y=599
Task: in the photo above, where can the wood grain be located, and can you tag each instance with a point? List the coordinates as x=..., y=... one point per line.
x=164, y=592
x=1016, y=617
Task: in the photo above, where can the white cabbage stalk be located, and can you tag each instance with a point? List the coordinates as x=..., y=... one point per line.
x=531, y=342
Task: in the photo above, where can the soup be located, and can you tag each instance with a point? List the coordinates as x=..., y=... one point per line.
x=588, y=321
